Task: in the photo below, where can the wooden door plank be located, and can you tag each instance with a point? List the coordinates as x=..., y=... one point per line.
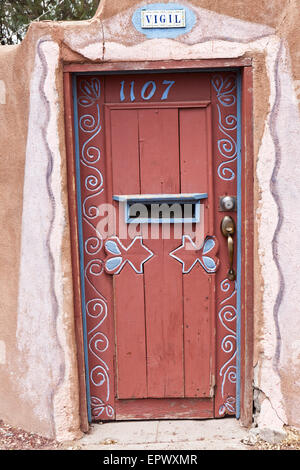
x=164, y=328
x=125, y=151
x=193, y=150
x=197, y=338
x=124, y=161
x=130, y=334
x=167, y=408
x=159, y=160
x=128, y=285
x=197, y=284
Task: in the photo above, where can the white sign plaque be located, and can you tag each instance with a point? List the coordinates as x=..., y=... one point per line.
x=163, y=18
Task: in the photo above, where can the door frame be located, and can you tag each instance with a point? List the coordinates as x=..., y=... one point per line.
x=245, y=214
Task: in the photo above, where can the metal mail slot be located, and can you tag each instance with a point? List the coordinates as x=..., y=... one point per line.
x=158, y=208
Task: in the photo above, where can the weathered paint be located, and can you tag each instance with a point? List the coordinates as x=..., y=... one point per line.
x=176, y=343
x=38, y=203
x=41, y=365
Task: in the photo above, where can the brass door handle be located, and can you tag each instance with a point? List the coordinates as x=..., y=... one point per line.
x=228, y=230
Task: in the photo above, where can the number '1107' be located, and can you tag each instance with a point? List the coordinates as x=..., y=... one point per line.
x=148, y=90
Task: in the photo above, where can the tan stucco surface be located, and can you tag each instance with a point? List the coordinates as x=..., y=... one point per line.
x=38, y=369
x=283, y=16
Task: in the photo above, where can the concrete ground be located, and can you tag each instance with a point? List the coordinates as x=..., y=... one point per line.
x=221, y=434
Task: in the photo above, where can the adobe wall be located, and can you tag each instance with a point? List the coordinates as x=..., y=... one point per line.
x=38, y=369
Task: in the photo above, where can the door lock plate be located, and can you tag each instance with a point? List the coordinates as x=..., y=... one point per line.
x=227, y=203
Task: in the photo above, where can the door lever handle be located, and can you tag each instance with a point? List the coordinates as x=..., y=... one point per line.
x=228, y=230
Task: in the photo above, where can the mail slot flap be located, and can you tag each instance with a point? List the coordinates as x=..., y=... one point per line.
x=161, y=208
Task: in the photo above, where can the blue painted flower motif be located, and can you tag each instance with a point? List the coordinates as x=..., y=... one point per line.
x=190, y=254
x=227, y=145
x=91, y=91
x=228, y=406
x=99, y=407
x=112, y=247
x=113, y=263
x=224, y=89
x=136, y=254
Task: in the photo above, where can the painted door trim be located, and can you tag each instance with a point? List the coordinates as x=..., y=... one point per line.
x=245, y=214
x=163, y=65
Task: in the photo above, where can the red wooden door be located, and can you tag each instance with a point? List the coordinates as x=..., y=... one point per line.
x=153, y=288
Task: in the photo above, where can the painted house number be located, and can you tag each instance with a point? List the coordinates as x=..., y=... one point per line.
x=148, y=90
x=163, y=18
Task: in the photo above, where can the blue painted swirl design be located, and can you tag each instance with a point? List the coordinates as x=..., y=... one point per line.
x=96, y=306
x=227, y=315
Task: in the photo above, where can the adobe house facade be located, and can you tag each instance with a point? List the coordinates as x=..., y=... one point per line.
x=46, y=383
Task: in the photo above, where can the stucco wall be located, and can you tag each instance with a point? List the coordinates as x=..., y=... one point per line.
x=38, y=370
